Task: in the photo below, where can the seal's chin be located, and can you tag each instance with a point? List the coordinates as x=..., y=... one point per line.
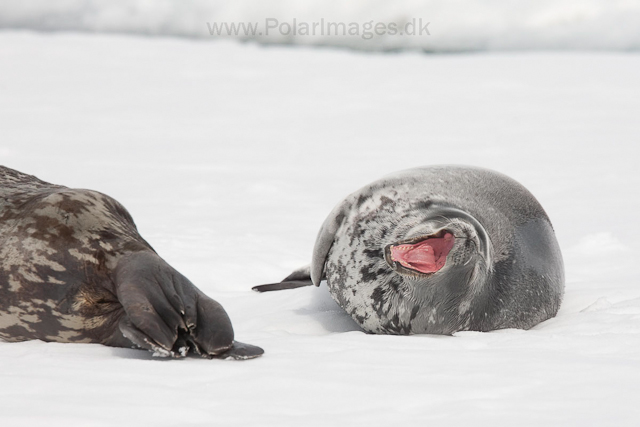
x=424, y=255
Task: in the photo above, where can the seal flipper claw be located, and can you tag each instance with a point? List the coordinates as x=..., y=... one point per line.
x=141, y=340
x=188, y=299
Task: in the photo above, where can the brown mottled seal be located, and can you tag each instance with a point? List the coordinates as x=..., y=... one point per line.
x=73, y=268
x=437, y=250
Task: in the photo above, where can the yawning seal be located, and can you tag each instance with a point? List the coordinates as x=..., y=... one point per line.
x=437, y=250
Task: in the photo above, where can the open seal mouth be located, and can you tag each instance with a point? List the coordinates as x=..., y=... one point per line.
x=424, y=255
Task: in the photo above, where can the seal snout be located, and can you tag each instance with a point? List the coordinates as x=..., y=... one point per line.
x=423, y=255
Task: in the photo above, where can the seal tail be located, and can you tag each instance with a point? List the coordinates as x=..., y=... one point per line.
x=298, y=279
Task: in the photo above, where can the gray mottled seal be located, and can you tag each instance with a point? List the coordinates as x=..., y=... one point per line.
x=73, y=268
x=437, y=250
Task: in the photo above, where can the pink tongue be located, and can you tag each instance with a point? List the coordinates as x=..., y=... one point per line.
x=426, y=256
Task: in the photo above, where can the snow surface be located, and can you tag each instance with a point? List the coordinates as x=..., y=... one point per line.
x=229, y=156
x=454, y=25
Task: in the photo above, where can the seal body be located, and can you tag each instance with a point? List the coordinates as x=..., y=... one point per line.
x=437, y=250
x=73, y=268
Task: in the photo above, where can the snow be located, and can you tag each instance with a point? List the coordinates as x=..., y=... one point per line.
x=229, y=156
x=453, y=25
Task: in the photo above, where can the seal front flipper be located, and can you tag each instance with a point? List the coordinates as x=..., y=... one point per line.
x=165, y=312
x=298, y=279
x=325, y=239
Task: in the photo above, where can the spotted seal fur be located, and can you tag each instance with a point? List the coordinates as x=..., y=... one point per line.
x=437, y=250
x=73, y=268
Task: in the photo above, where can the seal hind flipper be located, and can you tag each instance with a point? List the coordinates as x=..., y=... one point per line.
x=293, y=284
x=241, y=351
x=165, y=312
x=298, y=279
